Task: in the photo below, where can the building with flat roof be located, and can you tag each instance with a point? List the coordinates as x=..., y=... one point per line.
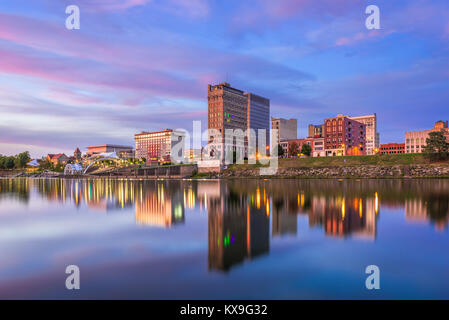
x=106, y=148
x=258, y=118
x=287, y=128
x=372, y=136
x=232, y=109
x=316, y=144
x=416, y=141
x=227, y=109
x=318, y=147
x=392, y=148
x=157, y=146
x=344, y=136
x=315, y=131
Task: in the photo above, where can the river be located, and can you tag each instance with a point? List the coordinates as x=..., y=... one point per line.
x=224, y=239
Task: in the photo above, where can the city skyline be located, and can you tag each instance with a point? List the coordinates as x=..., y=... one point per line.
x=141, y=65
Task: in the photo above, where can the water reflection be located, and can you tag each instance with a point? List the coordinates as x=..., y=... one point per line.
x=241, y=212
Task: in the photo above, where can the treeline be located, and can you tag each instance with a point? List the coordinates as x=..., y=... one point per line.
x=18, y=161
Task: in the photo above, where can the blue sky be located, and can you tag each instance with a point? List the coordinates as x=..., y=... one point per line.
x=145, y=65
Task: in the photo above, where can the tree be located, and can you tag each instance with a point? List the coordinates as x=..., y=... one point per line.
x=437, y=147
x=293, y=149
x=306, y=149
x=46, y=165
x=21, y=160
x=6, y=162
x=280, y=151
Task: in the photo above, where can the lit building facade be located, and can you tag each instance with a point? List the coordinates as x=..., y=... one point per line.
x=315, y=131
x=415, y=141
x=392, y=148
x=316, y=144
x=106, y=148
x=372, y=136
x=258, y=117
x=157, y=146
x=318, y=147
x=344, y=136
x=227, y=109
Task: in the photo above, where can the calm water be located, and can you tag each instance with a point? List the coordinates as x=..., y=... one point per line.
x=268, y=239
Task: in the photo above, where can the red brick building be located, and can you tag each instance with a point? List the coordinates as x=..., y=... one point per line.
x=344, y=136
x=287, y=145
x=392, y=148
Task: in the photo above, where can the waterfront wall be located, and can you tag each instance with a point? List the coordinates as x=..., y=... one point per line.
x=8, y=173
x=183, y=171
x=368, y=171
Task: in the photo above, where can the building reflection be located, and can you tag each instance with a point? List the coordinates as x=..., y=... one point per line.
x=283, y=222
x=343, y=216
x=434, y=207
x=241, y=212
x=159, y=206
x=238, y=227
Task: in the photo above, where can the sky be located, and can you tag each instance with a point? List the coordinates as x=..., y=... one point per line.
x=144, y=65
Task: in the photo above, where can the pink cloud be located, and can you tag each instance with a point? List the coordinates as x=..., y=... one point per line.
x=361, y=36
x=68, y=96
x=259, y=13
x=186, y=8
x=111, y=5
x=72, y=72
x=191, y=8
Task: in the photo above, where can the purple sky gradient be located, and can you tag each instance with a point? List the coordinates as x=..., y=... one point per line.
x=145, y=64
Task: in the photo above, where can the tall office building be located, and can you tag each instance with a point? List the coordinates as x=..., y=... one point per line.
x=230, y=108
x=287, y=129
x=372, y=136
x=227, y=109
x=258, y=119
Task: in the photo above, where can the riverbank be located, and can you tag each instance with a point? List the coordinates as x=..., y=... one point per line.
x=350, y=167
x=369, y=167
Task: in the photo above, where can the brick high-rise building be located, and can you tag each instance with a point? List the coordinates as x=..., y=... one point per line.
x=230, y=108
x=227, y=109
x=344, y=136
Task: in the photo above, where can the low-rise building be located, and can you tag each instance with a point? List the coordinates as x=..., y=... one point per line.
x=316, y=144
x=106, y=148
x=318, y=147
x=415, y=141
x=344, y=136
x=392, y=148
x=59, y=158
